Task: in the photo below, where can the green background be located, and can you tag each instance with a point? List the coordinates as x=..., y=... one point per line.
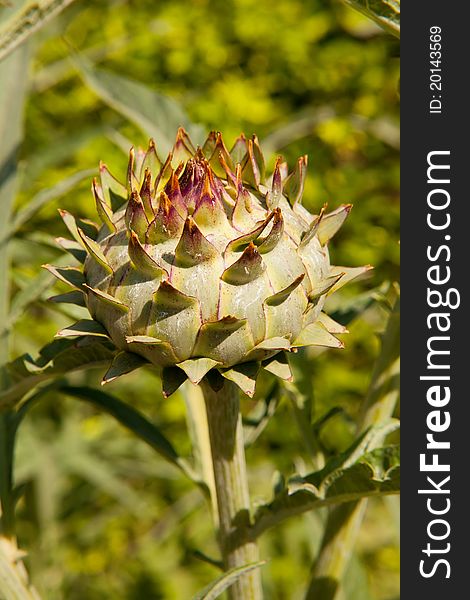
x=102, y=517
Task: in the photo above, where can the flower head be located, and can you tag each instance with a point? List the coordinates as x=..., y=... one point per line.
x=203, y=263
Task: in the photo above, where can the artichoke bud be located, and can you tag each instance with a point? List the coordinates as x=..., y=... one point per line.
x=204, y=266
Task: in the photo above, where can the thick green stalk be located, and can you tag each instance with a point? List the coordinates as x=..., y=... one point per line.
x=231, y=485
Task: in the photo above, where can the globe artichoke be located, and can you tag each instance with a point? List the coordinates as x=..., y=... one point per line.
x=204, y=265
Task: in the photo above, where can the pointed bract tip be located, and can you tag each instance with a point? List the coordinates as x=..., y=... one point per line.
x=248, y=267
x=199, y=156
x=135, y=197
x=164, y=204
x=228, y=320
x=251, y=251
x=238, y=174
x=147, y=177
x=181, y=134
x=179, y=168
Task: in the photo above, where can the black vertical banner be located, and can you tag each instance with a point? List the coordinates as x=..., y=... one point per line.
x=435, y=402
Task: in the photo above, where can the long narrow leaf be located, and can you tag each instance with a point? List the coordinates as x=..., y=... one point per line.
x=131, y=418
x=134, y=421
x=55, y=360
x=47, y=195
x=27, y=21
x=385, y=13
x=13, y=83
x=30, y=293
x=157, y=115
x=219, y=585
x=12, y=93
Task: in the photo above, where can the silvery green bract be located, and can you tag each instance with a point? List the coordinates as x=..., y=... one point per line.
x=204, y=265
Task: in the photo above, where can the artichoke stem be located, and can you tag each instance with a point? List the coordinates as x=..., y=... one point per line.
x=231, y=485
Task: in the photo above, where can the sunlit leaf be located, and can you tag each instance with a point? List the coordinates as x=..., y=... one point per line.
x=27, y=21
x=134, y=421
x=48, y=195
x=157, y=115
x=385, y=13
x=55, y=359
x=372, y=474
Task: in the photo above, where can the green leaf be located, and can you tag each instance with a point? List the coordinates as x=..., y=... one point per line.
x=385, y=13
x=27, y=21
x=219, y=585
x=33, y=291
x=134, y=421
x=89, y=467
x=257, y=420
x=55, y=359
x=13, y=86
x=373, y=474
x=345, y=310
x=331, y=222
x=47, y=195
x=157, y=115
x=12, y=93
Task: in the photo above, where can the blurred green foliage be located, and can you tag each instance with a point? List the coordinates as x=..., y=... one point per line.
x=102, y=516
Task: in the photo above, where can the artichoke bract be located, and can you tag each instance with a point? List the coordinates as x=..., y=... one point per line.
x=204, y=264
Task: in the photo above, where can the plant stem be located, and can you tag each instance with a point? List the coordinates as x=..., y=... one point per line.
x=199, y=434
x=231, y=485
x=344, y=521
x=342, y=527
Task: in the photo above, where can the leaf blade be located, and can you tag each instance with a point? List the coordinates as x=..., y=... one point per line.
x=129, y=417
x=219, y=585
x=157, y=115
